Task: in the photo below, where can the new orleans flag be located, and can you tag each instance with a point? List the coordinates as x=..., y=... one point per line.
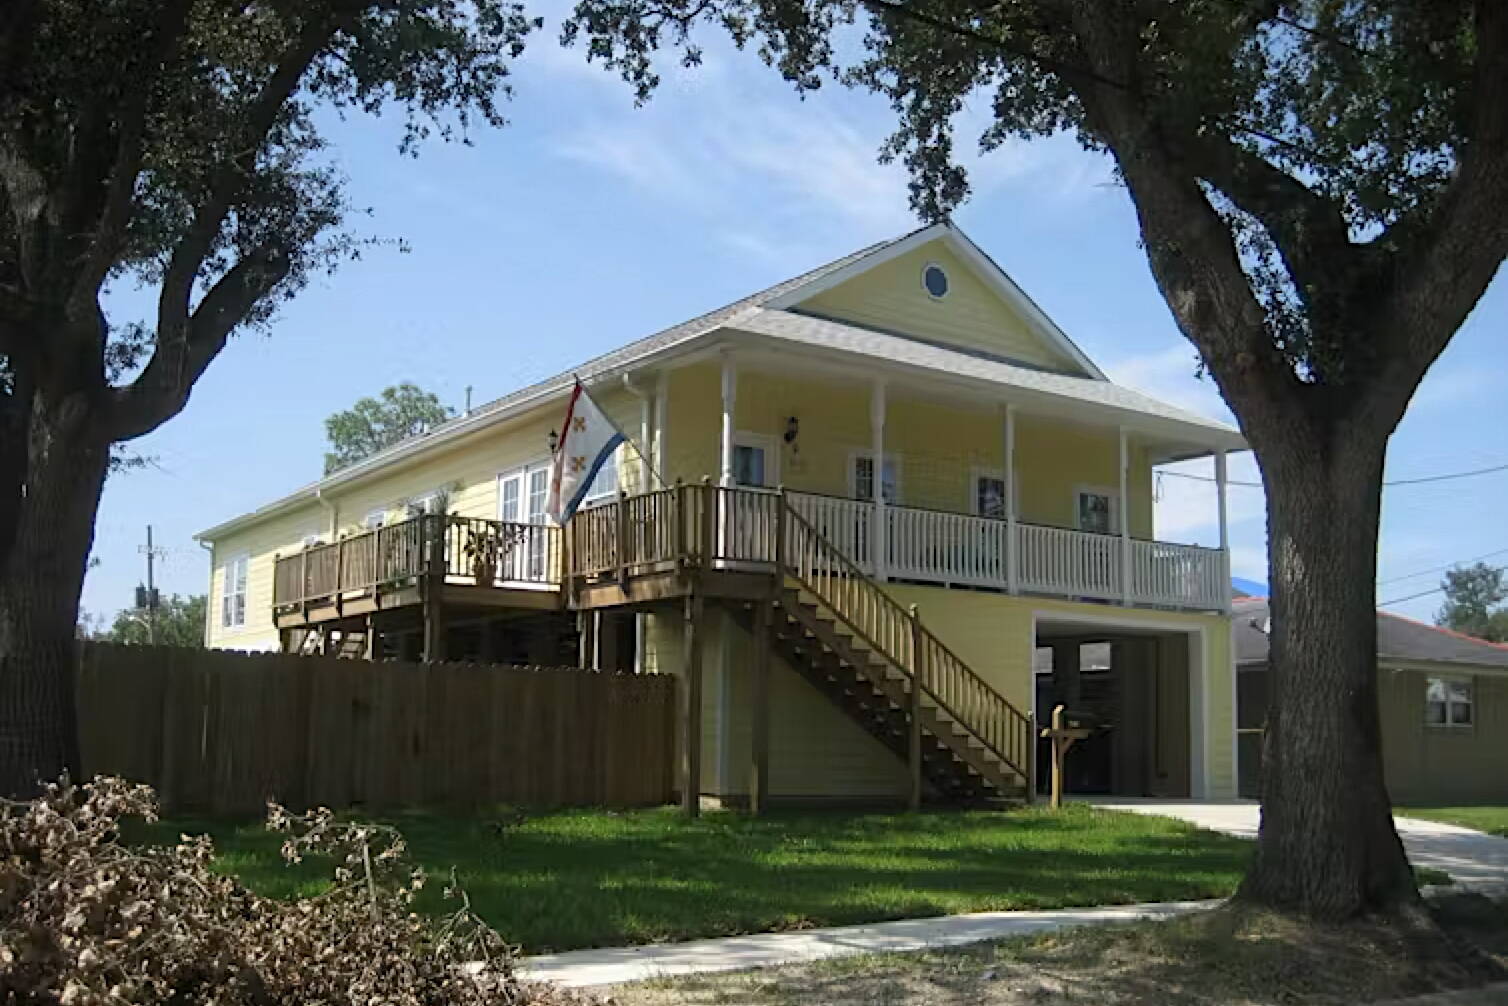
x=588, y=441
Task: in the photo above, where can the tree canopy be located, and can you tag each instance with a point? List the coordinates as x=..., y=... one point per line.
x=1474, y=596
x=177, y=146
x=178, y=621
x=399, y=412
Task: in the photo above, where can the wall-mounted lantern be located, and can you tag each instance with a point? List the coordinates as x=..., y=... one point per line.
x=554, y=442
x=792, y=431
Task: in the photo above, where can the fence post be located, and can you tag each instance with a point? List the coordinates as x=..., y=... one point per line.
x=914, y=724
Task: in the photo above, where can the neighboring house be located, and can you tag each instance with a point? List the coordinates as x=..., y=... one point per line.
x=938, y=442
x=1442, y=698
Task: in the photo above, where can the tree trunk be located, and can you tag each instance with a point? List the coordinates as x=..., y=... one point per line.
x=41, y=576
x=1327, y=846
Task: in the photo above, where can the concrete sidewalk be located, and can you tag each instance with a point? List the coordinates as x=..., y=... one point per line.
x=1472, y=858
x=578, y=968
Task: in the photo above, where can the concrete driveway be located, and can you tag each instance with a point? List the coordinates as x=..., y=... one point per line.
x=1470, y=857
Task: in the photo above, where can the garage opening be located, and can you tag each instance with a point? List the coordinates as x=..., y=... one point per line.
x=1135, y=689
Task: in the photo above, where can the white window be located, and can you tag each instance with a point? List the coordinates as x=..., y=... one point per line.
x=861, y=478
x=988, y=496
x=429, y=503
x=376, y=518
x=754, y=460
x=522, y=494
x=605, y=485
x=233, y=592
x=1447, y=702
x=1097, y=511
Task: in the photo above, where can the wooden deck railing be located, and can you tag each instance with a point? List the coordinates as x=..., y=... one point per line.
x=475, y=551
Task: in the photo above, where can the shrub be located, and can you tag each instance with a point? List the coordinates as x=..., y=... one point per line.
x=86, y=919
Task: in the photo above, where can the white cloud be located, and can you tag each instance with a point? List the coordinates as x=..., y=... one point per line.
x=1169, y=374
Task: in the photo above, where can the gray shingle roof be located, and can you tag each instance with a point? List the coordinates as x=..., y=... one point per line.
x=826, y=333
x=1398, y=638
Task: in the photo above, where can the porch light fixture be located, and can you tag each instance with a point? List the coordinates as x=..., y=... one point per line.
x=554, y=442
x=792, y=430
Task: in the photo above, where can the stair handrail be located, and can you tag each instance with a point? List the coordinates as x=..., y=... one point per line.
x=951, y=684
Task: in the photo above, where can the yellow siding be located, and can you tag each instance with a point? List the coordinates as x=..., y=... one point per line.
x=282, y=534
x=890, y=298
x=815, y=750
x=938, y=447
x=1442, y=765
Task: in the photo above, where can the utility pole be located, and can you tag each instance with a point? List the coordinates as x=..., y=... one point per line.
x=147, y=599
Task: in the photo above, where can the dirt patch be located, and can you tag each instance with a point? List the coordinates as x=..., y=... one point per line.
x=1241, y=959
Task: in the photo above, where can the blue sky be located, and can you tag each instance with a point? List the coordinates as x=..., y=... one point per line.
x=588, y=222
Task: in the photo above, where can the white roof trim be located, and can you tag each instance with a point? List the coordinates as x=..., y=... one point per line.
x=985, y=268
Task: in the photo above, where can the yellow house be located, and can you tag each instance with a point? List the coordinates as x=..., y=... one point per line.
x=880, y=518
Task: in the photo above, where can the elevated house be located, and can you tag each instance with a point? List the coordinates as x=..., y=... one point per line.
x=860, y=509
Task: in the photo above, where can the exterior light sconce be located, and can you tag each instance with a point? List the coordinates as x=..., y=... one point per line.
x=554, y=442
x=792, y=430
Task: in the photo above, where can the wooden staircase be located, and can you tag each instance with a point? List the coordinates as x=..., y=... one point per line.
x=877, y=662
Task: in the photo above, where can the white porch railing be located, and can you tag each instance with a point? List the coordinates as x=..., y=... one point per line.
x=952, y=548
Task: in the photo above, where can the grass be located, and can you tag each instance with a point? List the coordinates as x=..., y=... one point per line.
x=1491, y=819
x=1226, y=956
x=573, y=879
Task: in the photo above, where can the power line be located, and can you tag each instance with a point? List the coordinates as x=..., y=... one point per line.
x=1386, y=482
x=1436, y=569
x=1411, y=597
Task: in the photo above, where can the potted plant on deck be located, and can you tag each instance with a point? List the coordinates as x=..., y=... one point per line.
x=483, y=549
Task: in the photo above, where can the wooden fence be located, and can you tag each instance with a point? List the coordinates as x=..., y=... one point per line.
x=223, y=732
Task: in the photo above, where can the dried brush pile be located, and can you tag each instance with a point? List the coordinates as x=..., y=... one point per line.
x=86, y=920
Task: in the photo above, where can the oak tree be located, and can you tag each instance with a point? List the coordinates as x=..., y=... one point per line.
x=1319, y=187
x=371, y=424
x=176, y=145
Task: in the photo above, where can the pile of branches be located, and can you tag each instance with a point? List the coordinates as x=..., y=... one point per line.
x=89, y=920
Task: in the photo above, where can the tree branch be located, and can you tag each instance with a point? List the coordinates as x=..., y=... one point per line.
x=119, y=185
x=1190, y=249
x=1309, y=230
x=162, y=389
x=1448, y=252
x=183, y=267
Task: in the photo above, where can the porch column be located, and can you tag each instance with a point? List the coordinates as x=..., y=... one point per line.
x=1012, y=549
x=662, y=414
x=881, y=525
x=730, y=400
x=1125, y=514
x=1220, y=487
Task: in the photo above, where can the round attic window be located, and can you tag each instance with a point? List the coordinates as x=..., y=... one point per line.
x=935, y=281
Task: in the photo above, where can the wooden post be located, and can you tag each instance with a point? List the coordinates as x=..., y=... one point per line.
x=1058, y=750
x=759, y=763
x=914, y=722
x=691, y=707
x=371, y=649
x=586, y=627
x=678, y=530
x=434, y=590
x=622, y=544
x=709, y=520
x=781, y=505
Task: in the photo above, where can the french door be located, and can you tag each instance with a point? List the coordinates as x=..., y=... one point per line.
x=521, y=499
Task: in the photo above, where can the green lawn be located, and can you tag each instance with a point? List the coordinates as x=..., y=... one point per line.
x=592, y=878
x=1493, y=820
